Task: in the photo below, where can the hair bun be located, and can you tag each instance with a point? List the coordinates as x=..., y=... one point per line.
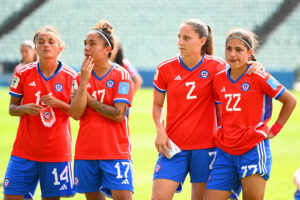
x=104, y=26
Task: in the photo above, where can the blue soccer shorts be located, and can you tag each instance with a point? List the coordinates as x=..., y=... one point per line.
x=197, y=163
x=229, y=169
x=22, y=176
x=103, y=175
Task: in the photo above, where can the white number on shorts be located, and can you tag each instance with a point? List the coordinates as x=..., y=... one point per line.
x=63, y=176
x=250, y=167
x=99, y=92
x=117, y=166
x=189, y=96
x=212, y=154
x=230, y=97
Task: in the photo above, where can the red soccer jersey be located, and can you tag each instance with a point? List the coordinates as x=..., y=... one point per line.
x=45, y=137
x=191, y=119
x=246, y=108
x=100, y=138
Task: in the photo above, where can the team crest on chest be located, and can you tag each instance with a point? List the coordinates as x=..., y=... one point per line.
x=59, y=87
x=110, y=83
x=245, y=86
x=204, y=74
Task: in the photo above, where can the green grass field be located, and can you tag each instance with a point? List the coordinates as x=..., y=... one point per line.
x=285, y=148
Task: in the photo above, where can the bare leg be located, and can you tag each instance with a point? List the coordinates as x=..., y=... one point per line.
x=253, y=187
x=164, y=189
x=217, y=195
x=94, y=196
x=198, y=190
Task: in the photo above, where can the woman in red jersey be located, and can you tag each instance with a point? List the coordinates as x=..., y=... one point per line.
x=191, y=121
x=102, y=154
x=243, y=153
x=40, y=95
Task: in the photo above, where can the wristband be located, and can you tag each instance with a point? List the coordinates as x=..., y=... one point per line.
x=275, y=128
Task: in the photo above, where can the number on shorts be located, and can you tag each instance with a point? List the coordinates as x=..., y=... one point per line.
x=212, y=154
x=250, y=167
x=63, y=176
x=117, y=166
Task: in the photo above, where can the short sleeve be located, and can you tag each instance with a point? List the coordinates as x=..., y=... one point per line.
x=124, y=90
x=271, y=86
x=215, y=93
x=16, y=87
x=159, y=82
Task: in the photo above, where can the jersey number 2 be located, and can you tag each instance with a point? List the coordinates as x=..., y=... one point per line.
x=191, y=86
x=233, y=97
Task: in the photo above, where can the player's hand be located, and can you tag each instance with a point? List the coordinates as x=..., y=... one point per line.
x=50, y=100
x=32, y=109
x=270, y=135
x=297, y=178
x=74, y=92
x=162, y=142
x=86, y=69
x=255, y=67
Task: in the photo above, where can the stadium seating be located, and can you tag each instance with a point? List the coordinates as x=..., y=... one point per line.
x=148, y=29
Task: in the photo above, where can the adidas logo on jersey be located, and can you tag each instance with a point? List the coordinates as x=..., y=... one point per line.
x=32, y=84
x=63, y=187
x=126, y=182
x=223, y=89
x=178, y=78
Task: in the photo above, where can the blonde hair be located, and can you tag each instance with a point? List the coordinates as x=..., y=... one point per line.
x=49, y=29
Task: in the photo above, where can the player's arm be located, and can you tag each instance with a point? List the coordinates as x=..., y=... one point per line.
x=138, y=82
x=162, y=141
x=15, y=109
x=79, y=102
x=288, y=104
x=50, y=100
x=117, y=112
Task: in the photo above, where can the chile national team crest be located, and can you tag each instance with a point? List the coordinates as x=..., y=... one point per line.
x=76, y=181
x=6, y=182
x=245, y=86
x=157, y=168
x=59, y=87
x=110, y=83
x=204, y=74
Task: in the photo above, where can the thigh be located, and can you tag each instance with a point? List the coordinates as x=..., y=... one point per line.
x=256, y=161
x=117, y=175
x=21, y=176
x=164, y=189
x=174, y=169
x=88, y=176
x=224, y=174
x=200, y=164
x=253, y=187
x=198, y=190
x=56, y=179
x=94, y=196
x=216, y=195
x=121, y=195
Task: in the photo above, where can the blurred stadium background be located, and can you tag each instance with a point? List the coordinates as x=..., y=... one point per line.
x=148, y=29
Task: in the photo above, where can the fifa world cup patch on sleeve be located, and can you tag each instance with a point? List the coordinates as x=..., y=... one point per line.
x=273, y=83
x=123, y=88
x=15, y=82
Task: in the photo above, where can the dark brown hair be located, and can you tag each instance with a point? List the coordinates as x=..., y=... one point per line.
x=203, y=30
x=106, y=29
x=246, y=36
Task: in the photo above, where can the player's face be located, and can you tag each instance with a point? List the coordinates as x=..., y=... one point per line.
x=27, y=54
x=47, y=46
x=188, y=41
x=95, y=46
x=237, y=53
